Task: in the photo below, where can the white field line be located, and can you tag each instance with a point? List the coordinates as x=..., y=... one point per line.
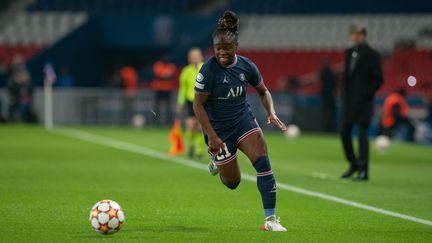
x=117, y=144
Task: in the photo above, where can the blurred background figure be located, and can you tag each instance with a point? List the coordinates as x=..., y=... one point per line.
x=2, y=118
x=424, y=135
x=429, y=111
x=186, y=93
x=20, y=91
x=65, y=78
x=362, y=78
x=129, y=79
x=328, y=97
x=395, y=116
x=163, y=84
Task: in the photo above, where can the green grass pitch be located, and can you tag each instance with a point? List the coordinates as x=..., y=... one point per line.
x=49, y=181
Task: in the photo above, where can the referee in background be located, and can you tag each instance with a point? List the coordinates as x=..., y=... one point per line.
x=362, y=78
x=186, y=94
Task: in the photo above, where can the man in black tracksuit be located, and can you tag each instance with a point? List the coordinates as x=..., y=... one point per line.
x=362, y=78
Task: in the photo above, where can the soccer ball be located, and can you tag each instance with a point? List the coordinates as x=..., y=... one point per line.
x=107, y=217
x=292, y=131
x=382, y=143
x=138, y=121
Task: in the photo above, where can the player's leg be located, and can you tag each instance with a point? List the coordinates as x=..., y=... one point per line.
x=193, y=133
x=190, y=128
x=363, y=161
x=198, y=141
x=229, y=174
x=348, y=148
x=253, y=145
x=225, y=163
x=190, y=136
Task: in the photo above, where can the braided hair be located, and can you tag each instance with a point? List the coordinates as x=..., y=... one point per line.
x=227, y=26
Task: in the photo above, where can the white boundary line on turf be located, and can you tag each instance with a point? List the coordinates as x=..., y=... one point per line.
x=121, y=145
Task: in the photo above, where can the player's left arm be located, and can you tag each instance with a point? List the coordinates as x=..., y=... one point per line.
x=267, y=102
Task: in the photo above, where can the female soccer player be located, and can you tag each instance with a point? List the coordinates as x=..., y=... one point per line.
x=186, y=97
x=221, y=108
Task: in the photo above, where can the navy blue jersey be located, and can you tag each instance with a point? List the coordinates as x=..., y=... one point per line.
x=227, y=87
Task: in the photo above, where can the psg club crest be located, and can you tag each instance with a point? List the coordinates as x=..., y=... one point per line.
x=242, y=77
x=200, y=77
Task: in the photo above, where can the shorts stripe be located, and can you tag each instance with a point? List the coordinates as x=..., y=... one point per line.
x=225, y=161
x=253, y=130
x=265, y=173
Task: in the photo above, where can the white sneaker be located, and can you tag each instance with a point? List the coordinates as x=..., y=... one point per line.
x=213, y=169
x=272, y=223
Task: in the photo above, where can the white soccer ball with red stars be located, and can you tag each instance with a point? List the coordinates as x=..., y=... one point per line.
x=107, y=217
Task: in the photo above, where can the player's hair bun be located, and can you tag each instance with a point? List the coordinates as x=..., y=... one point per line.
x=229, y=21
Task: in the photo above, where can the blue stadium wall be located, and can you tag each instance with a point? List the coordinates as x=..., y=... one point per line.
x=109, y=41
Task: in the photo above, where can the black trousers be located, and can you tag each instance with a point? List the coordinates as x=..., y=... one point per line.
x=162, y=107
x=360, y=162
x=328, y=114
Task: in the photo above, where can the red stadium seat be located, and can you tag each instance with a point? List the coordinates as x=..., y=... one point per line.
x=8, y=51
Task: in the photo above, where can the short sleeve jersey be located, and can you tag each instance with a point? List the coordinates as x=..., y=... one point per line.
x=227, y=87
x=186, y=83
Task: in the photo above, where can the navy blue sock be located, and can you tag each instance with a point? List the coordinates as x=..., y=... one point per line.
x=266, y=184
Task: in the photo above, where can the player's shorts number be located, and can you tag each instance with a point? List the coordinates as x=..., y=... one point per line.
x=223, y=154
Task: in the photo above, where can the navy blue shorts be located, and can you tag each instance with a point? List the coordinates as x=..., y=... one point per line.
x=245, y=128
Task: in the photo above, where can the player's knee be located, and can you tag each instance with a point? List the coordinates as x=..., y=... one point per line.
x=232, y=185
x=258, y=154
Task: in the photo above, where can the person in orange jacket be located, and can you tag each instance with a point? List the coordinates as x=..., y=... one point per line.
x=395, y=115
x=163, y=84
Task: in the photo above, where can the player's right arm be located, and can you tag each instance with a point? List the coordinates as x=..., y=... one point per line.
x=203, y=89
x=214, y=142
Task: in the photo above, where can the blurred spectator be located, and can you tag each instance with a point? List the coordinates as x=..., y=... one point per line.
x=426, y=134
x=163, y=84
x=20, y=91
x=328, y=91
x=362, y=78
x=428, y=103
x=129, y=79
x=395, y=115
x=3, y=74
x=21, y=96
x=429, y=111
x=65, y=79
x=2, y=119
